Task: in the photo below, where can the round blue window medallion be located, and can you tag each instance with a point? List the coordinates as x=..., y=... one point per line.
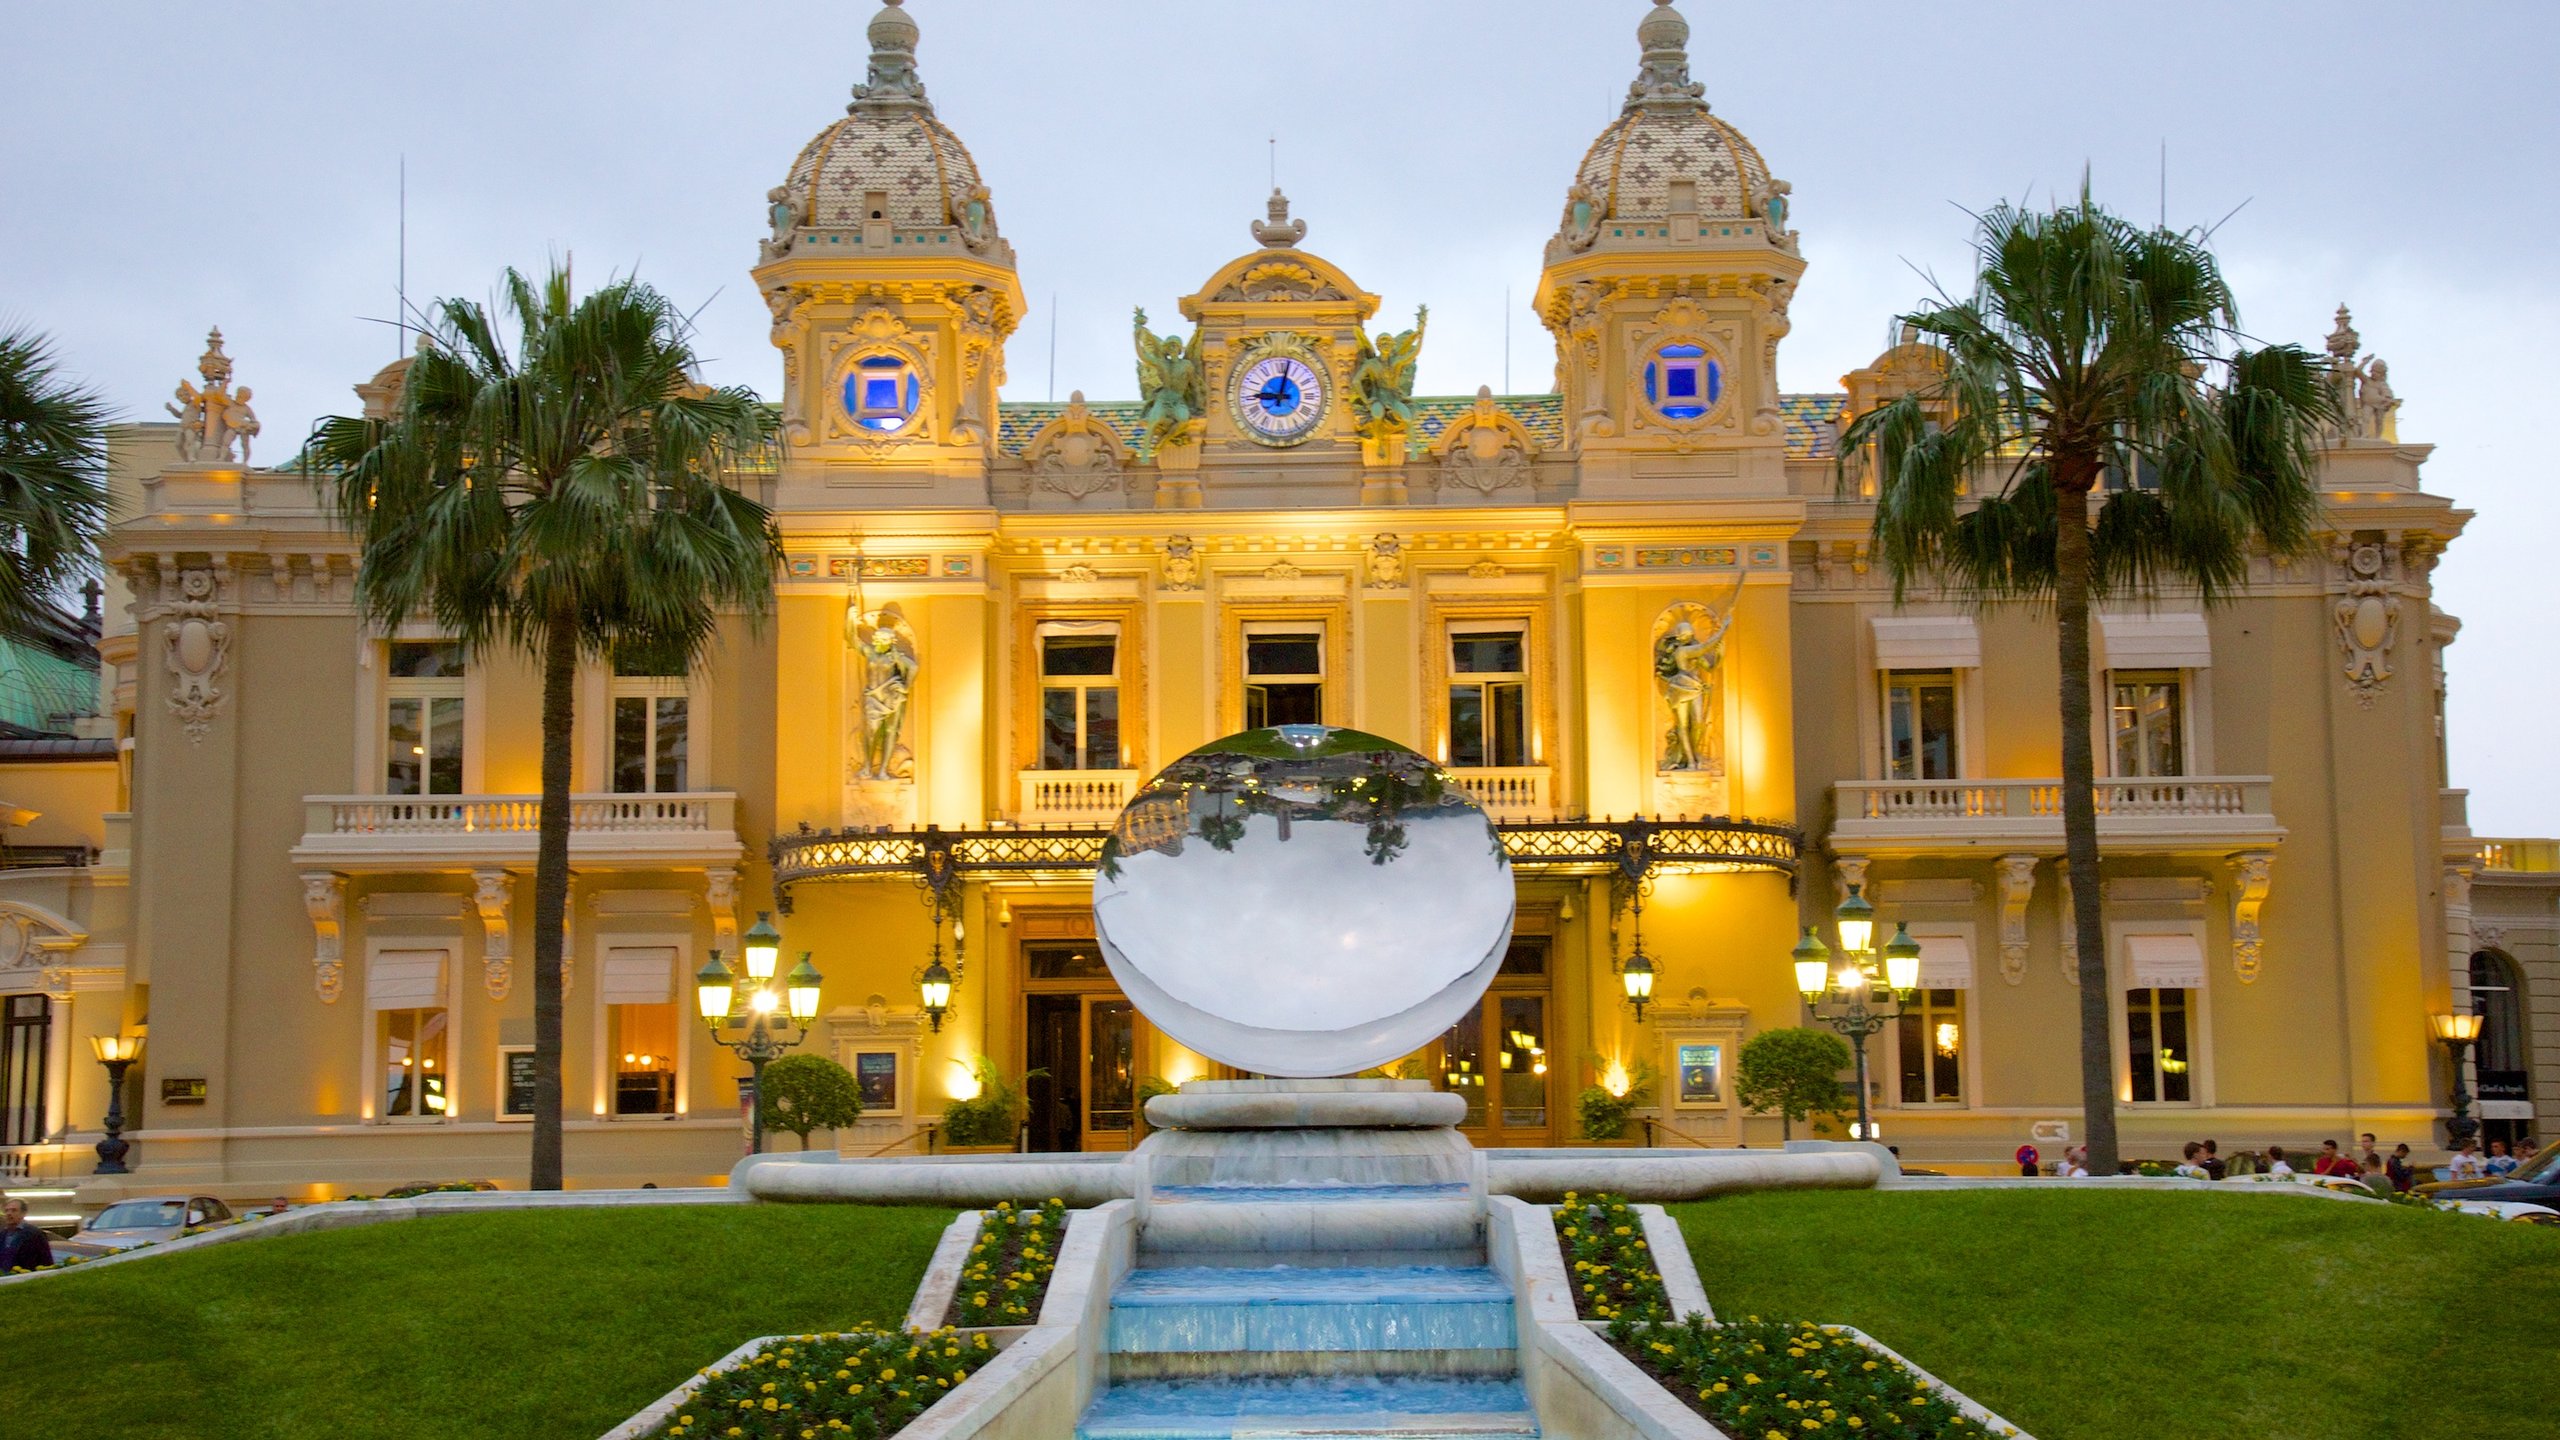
x=1683, y=382
x=881, y=393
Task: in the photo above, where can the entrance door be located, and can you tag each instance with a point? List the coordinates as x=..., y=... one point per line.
x=1084, y=1033
x=25, y=1027
x=1499, y=1055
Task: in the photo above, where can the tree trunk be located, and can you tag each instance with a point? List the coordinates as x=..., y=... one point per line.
x=551, y=890
x=2080, y=816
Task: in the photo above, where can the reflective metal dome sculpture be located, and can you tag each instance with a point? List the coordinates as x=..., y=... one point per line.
x=1303, y=901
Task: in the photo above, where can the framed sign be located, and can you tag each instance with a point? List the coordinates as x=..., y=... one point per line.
x=189, y=1091
x=515, y=1082
x=876, y=1073
x=1701, y=1074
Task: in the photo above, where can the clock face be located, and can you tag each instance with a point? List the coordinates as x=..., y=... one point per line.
x=1279, y=399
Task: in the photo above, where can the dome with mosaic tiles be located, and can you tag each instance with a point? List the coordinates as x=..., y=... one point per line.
x=889, y=145
x=1666, y=135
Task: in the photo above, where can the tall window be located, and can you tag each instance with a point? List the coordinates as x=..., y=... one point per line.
x=1931, y=1036
x=422, y=738
x=26, y=1023
x=2150, y=736
x=2156, y=1045
x=1284, y=679
x=2501, y=1058
x=415, y=1068
x=640, y=1028
x=1079, y=696
x=1920, y=724
x=1488, y=699
x=652, y=727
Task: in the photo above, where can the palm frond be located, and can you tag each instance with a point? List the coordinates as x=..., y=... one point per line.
x=53, y=480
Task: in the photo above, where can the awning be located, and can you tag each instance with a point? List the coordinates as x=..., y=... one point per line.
x=2163, y=962
x=1927, y=642
x=2175, y=641
x=1946, y=960
x=405, y=980
x=640, y=975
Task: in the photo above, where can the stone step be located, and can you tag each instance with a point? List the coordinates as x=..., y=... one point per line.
x=1405, y=1407
x=1288, y=1231
x=1284, y=1309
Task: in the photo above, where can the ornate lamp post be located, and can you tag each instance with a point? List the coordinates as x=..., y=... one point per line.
x=2459, y=1031
x=935, y=981
x=116, y=1052
x=768, y=1014
x=1859, y=998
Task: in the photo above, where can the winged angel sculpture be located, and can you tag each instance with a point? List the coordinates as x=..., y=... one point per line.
x=1168, y=383
x=1382, y=384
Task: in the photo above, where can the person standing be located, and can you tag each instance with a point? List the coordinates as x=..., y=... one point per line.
x=2214, y=1168
x=2467, y=1164
x=2331, y=1162
x=2191, y=1164
x=2275, y=1163
x=2402, y=1173
x=2500, y=1164
x=22, y=1245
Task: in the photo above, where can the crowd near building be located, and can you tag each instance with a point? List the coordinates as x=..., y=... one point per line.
x=1636, y=615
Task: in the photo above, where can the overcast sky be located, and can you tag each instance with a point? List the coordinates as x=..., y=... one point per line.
x=165, y=167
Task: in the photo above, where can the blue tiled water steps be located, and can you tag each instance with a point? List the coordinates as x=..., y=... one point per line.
x=1403, y=1407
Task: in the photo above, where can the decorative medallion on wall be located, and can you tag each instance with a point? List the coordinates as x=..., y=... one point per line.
x=1484, y=451
x=197, y=646
x=2368, y=620
x=1076, y=455
x=1181, y=564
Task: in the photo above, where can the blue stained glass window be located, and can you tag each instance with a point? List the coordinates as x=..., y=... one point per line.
x=882, y=393
x=1682, y=383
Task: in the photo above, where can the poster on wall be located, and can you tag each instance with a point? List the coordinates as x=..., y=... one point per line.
x=515, y=1082
x=1701, y=1074
x=876, y=1073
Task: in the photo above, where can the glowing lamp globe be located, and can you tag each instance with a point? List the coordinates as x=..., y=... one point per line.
x=1303, y=901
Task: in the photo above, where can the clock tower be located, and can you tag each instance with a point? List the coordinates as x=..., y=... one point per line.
x=892, y=294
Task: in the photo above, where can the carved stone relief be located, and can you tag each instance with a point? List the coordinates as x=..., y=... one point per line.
x=196, y=644
x=324, y=899
x=491, y=892
x=2367, y=618
x=1181, y=564
x=1386, y=563
x=2251, y=872
x=1077, y=456
x=2017, y=888
x=1484, y=451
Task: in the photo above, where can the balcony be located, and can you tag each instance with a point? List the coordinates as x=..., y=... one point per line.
x=2519, y=857
x=358, y=833
x=1512, y=793
x=2186, y=815
x=1072, y=797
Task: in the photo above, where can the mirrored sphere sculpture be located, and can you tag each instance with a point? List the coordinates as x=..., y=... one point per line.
x=1303, y=901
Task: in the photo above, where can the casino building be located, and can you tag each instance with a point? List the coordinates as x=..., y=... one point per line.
x=1636, y=615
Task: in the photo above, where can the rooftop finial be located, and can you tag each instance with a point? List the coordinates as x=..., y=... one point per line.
x=892, y=79
x=1664, y=78
x=1279, y=232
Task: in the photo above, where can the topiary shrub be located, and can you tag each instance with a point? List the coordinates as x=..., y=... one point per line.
x=1793, y=1073
x=801, y=1093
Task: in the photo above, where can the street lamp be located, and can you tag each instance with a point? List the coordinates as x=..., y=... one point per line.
x=1853, y=997
x=117, y=1052
x=767, y=1015
x=2459, y=1031
x=936, y=980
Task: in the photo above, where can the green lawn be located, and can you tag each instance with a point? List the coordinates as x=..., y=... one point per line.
x=2114, y=1315
x=544, y=1325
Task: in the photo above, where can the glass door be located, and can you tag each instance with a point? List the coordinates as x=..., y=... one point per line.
x=1498, y=1056
x=1085, y=1035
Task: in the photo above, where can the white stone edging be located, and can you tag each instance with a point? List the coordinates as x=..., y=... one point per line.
x=351, y=1214
x=941, y=1283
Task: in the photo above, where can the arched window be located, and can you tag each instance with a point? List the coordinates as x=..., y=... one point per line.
x=2499, y=1002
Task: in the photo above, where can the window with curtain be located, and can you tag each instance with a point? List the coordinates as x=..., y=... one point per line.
x=1930, y=1040
x=1920, y=725
x=1488, y=698
x=1079, y=696
x=2147, y=718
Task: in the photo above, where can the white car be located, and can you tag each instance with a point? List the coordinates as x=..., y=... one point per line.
x=2523, y=1210
x=144, y=1220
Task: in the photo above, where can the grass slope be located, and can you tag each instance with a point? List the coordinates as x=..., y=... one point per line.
x=2115, y=1315
x=527, y=1324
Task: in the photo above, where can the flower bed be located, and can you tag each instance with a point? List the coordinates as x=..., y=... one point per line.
x=865, y=1383
x=1008, y=1270
x=1613, y=1271
x=1761, y=1380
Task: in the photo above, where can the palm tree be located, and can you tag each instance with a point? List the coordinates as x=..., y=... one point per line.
x=2093, y=355
x=53, y=482
x=562, y=494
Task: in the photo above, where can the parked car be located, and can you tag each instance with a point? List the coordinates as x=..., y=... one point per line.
x=145, y=1220
x=2536, y=1182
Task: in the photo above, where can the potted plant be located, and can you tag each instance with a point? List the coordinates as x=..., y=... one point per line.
x=1605, y=1112
x=989, y=1122
x=1149, y=1087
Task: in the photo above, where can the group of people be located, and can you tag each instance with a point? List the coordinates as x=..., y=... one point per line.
x=2203, y=1160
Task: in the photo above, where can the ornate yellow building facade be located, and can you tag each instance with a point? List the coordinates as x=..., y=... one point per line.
x=1636, y=615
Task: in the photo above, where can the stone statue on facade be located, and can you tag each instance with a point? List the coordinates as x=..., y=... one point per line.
x=978, y=218
x=1688, y=655
x=1169, y=383
x=1774, y=205
x=2375, y=402
x=885, y=644
x=1581, y=217
x=784, y=217
x=211, y=418
x=2367, y=405
x=1382, y=383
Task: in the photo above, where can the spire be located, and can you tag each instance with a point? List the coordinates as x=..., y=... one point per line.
x=892, y=81
x=1664, y=79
